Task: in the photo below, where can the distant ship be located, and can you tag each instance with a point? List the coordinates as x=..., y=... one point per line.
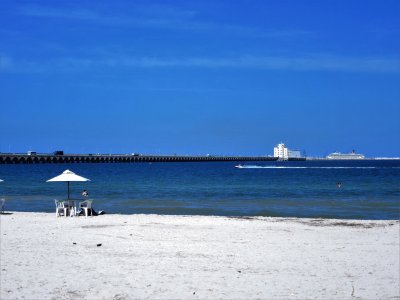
x=352, y=155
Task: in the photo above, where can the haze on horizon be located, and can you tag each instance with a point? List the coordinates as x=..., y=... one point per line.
x=200, y=77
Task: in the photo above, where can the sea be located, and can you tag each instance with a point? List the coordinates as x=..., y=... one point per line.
x=364, y=189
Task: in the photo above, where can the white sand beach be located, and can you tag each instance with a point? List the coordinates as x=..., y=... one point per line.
x=196, y=257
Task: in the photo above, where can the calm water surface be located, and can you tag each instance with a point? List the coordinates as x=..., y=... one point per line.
x=369, y=190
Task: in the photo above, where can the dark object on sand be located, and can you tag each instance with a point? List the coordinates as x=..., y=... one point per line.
x=98, y=245
x=81, y=212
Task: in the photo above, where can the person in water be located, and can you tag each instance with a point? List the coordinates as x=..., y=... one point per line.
x=339, y=185
x=85, y=193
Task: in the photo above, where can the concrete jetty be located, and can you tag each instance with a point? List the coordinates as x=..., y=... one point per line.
x=7, y=158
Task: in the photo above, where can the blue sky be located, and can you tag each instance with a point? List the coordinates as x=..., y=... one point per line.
x=197, y=77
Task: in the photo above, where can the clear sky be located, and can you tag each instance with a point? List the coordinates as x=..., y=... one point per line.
x=198, y=77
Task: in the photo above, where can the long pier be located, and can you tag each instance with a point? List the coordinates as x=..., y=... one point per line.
x=6, y=158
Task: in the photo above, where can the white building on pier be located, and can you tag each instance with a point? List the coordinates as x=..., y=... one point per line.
x=284, y=153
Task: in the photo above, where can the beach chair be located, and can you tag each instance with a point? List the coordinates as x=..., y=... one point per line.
x=61, y=209
x=2, y=202
x=86, y=206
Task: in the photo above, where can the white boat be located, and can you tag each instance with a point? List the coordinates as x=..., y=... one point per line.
x=352, y=155
x=239, y=166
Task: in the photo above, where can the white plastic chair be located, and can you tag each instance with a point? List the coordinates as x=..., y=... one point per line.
x=2, y=202
x=86, y=205
x=61, y=209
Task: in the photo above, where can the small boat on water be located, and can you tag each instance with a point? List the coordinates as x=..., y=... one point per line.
x=239, y=166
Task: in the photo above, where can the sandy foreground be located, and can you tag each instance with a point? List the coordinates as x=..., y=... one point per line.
x=196, y=257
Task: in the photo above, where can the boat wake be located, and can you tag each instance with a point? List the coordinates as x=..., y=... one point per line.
x=289, y=167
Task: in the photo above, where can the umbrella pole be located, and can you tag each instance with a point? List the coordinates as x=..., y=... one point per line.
x=69, y=208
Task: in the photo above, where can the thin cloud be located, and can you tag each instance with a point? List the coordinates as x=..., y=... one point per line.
x=74, y=14
x=164, y=10
x=158, y=17
x=310, y=63
x=316, y=63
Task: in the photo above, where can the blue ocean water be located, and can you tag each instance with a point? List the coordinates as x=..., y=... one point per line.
x=370, y=189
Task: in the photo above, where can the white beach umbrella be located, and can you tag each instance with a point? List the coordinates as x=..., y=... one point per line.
x=68, y=176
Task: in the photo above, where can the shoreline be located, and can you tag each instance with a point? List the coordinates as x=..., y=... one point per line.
x=196, y=257
x=245, y=217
